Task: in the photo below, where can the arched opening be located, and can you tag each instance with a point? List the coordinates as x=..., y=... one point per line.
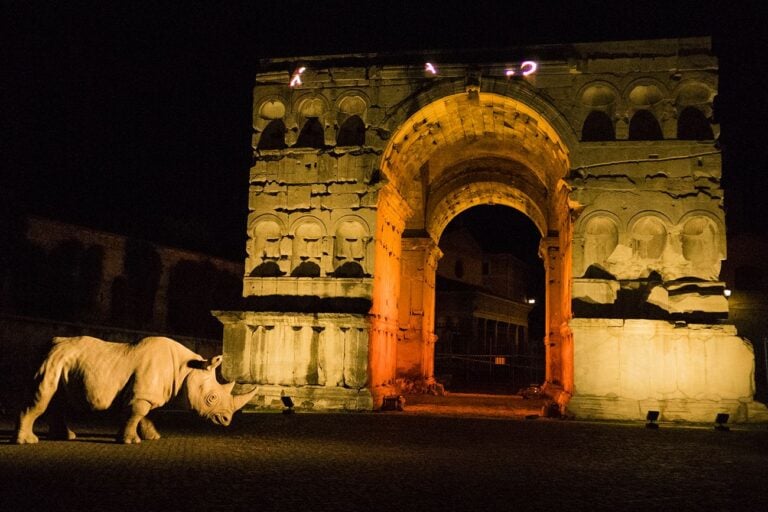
x=311, y=135
x=273, y=136
x=692, y=124
x=489, y=319
x=496, y=151
x=597, y=127
x=351, y=132
x=644, y=126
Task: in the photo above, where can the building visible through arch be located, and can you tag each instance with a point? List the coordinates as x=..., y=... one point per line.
x=631, y=221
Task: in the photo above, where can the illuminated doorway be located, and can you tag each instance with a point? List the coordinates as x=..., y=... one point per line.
x=489, y=293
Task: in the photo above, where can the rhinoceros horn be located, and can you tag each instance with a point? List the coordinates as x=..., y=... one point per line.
x=240, y=400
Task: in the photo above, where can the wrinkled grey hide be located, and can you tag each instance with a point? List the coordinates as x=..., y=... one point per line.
x=146, y=374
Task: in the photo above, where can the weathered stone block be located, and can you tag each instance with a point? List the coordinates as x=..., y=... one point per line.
x=692, y=371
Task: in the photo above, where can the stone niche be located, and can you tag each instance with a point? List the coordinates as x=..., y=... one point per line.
x=650, y=266
x=624, y=368
x=320, y=361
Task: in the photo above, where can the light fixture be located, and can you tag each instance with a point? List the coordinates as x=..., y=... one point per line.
x=720, y=422
x=652, y=417
x=727, y=292
x=288, y=403
x=430, y=68
x=393, y=403
x=531, y=301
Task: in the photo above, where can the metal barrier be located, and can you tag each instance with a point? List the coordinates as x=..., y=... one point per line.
x=505, y=372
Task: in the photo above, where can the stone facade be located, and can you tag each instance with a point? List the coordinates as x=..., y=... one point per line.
x=361, y=161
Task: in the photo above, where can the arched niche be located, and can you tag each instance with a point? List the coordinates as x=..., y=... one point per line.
x=307, y=253
x=644, y=126
x=692, y=124
x=700, y=240
x=312, y=135
x=598, y=95
x=597, y=127
x=601, y=236
x=693, y=93
x=350, y=248
x=351, y=132
x=273, y=136
x=649, y=237
x=646, y=94
x=263, y=247
x=271, y=109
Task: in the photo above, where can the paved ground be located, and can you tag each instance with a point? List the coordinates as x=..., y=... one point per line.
x=428, y=459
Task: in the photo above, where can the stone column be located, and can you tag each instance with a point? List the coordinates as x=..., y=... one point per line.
x=416, y=347
x=550, y=252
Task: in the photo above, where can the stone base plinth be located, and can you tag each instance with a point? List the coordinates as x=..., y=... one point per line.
x=675, y=410
x=311, y=398
x=624, y=368
x=320, y=360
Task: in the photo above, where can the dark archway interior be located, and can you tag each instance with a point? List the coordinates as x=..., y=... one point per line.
x=490, y=303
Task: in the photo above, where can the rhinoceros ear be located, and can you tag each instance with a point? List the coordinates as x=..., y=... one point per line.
x=200, y=364
x=215, y=363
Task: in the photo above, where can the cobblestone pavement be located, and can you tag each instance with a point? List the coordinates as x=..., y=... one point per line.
x=389, y=461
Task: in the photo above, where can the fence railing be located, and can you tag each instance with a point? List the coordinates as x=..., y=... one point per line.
x=504, y=372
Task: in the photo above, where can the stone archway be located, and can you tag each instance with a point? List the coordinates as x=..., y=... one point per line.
x=457, y=152
x=343, y=231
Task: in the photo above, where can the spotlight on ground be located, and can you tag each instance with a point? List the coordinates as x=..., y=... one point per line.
x=652, y=417
x=288, y=403
x=393, y=403
x=720, y=422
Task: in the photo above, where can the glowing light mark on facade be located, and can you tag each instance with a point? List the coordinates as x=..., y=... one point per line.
x=296, y=78
x=430, y=68
x=528, y=67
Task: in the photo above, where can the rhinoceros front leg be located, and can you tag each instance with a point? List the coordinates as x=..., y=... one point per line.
x=139, y=409
x=147, y=430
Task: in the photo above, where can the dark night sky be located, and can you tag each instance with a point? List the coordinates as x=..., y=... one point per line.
x=136, y=118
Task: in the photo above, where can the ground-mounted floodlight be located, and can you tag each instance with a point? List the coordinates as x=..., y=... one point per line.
x=288, y=403
x=393, y=403
x=652, y=417
x=720, y=422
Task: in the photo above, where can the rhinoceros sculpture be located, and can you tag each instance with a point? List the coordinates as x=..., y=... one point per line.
x=141, y=377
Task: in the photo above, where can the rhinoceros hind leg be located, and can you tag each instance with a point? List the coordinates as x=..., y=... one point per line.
x=47, y=384
x=62, y=433
x=57, y=422
x=25, y=427
x=147, y=430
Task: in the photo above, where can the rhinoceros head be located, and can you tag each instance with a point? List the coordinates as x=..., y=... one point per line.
x=211, y=399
